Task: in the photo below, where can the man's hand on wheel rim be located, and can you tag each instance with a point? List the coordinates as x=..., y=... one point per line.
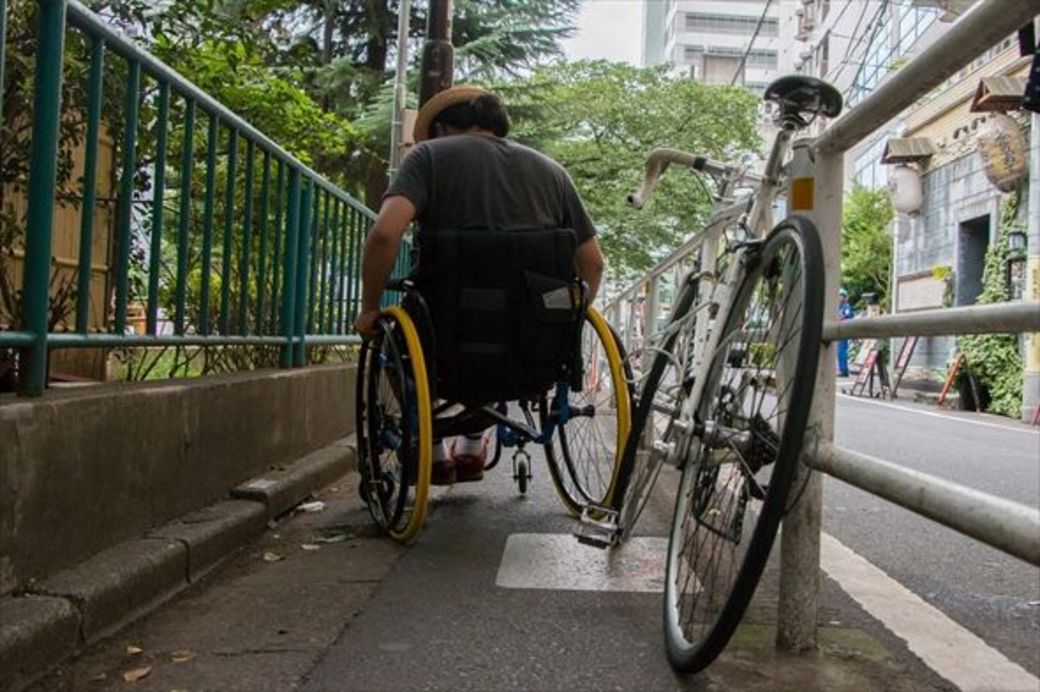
x=366, y=323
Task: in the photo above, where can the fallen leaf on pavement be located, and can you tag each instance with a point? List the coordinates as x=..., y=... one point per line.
x=99, y=677
x=181, y=656
x=272, y=557
x=133, y=650
x=310, y=546
x=334, y=538
x=137, y=674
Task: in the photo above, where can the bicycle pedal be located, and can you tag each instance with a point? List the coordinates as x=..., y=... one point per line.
x=599, y=527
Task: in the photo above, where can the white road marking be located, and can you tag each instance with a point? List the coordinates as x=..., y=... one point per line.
x=947, y=648
x=559, y=562
x=958, y=419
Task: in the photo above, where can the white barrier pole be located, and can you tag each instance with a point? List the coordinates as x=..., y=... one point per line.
x=816, y=191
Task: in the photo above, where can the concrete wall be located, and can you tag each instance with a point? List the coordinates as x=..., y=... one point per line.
x=81, y=470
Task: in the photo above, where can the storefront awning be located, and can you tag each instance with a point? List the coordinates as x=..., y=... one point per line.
x=906, y=149
x=999, y=94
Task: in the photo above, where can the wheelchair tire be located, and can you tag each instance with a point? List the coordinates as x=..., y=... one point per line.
x=394, y=426
x=584, y=455
x=751, y=418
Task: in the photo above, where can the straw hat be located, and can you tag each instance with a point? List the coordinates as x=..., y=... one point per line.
x=432, y=108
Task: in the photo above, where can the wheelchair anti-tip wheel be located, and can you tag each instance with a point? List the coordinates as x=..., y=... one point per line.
x=394, y=426
x=584, y=456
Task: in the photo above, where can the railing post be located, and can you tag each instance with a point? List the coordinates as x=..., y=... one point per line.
x=90, y=157
x=125, y=213
x=800, y=538
x=43, y=164
x=299, y=356
x=292, y=241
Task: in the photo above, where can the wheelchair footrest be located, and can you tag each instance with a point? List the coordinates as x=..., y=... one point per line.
x=599, y=527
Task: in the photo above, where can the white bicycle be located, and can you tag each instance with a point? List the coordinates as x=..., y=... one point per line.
x=724, y=389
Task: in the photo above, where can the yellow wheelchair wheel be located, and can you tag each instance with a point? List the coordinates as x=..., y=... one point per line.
x=585, y=453
x=394, y=426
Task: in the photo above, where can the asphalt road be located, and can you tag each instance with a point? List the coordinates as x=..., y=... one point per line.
x=990, y=593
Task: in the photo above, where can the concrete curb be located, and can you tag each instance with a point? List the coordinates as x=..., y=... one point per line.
x=94, y=599
x=282, y=489
x=35, y=633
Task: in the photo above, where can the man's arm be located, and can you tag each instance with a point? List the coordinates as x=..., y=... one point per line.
x=589, y=263
x=377, y=262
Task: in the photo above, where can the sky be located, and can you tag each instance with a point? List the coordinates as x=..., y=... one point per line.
x=609, y=29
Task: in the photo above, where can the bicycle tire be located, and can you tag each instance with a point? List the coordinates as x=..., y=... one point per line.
x=733, y=445
x=636, y=480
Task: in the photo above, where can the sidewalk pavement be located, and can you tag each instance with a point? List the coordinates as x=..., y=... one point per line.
x=269, y=617
x=70, y=610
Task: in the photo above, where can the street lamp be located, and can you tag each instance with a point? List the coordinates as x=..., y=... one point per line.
x=1016, y=263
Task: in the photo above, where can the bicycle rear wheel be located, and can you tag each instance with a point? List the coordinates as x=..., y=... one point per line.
x=749, y=424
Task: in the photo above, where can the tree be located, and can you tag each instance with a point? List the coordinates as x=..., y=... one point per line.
x=866, y=246
x=601, y=119
x=344, y=48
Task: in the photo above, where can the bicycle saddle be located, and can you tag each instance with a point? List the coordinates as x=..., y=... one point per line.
x=802, y=94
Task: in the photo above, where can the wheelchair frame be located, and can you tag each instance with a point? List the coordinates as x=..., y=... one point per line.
x=428, y=424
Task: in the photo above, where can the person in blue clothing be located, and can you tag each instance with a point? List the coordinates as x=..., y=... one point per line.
x=845, y=312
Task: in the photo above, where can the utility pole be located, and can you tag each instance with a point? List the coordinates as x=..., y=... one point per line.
x=438, y=60
x=400, y=86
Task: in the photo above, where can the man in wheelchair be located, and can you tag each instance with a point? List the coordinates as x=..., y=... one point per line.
x=489, y=210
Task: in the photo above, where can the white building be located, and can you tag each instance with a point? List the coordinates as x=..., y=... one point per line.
x=855, y=45
x=709, y=39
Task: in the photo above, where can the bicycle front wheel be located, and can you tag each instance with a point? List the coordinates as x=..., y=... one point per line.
x=748, y=429
x=663, y=386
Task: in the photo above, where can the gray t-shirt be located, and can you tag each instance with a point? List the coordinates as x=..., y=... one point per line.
x=480, y=181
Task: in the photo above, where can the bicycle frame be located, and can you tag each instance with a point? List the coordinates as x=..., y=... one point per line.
x=717, y=293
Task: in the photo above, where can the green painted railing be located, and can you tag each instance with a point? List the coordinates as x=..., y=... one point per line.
x=288, y=244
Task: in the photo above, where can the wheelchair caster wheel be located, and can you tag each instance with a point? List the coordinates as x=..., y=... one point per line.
x=522, y=470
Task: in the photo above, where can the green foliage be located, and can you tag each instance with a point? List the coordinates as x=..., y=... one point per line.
x=866, y=246
x=994, y=359
x=945, y=274
x=601, y=119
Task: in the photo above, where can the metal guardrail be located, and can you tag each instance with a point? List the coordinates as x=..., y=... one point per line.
x=1000, y=523
x=282, y=270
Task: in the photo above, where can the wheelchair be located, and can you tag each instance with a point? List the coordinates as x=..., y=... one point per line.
x=492, y=332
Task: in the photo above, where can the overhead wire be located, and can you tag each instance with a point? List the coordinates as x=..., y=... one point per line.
x=751, y=43
x=851, y=47
x=878, y=21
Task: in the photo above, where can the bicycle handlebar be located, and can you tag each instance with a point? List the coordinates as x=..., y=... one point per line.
x=657, y=163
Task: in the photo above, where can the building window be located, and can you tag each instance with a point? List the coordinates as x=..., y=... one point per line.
x=900, y=27
x=731, y=24
x=761, y=59
x=692, y=54
x=870, y=172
